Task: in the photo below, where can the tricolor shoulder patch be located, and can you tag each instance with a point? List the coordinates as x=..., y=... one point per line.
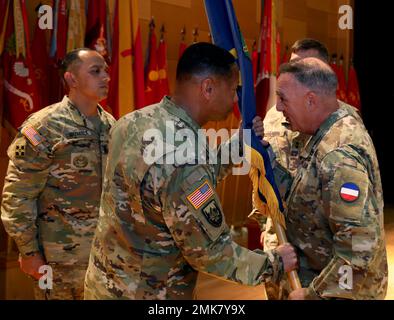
x=200, y=195
x=32, y=135
x=349, y=192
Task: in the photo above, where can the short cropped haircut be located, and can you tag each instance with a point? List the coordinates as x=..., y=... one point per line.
x=312, y=75
x=311, y=44
x=71, y=58
x=204, y=58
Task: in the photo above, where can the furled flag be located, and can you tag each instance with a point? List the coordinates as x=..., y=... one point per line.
x=353, y=93
x=164, y=88
x=267, y=58
x=151, y=68
x=59, y=32
x=96, y=26
x=182, y=44
x=21, y=96
x=341, y=90
x=126, y=91
x=40, y=62
x=255, y=61
x=76, y=25
x=226, y=34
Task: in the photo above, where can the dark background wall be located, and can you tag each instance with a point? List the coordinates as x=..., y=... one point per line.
x=373, y=37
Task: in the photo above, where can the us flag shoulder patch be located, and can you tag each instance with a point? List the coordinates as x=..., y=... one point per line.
x=32, y=135
x=201, y=195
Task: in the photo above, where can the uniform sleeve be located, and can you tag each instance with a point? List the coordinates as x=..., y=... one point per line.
x=356, y=223
x=26, y=177
x=194, y=216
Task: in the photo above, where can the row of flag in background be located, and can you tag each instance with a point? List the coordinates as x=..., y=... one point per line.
x=31, y=71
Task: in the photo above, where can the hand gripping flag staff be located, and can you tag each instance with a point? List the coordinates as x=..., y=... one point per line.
x=226, y=34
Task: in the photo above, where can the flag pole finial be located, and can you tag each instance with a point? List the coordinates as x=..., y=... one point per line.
x=162, y=31
x=152, y=24
x=183, y=33
x=195, y=34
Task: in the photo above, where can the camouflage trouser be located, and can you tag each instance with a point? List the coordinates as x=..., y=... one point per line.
x=68, y=282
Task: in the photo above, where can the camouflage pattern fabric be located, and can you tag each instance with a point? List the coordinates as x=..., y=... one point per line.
x=67, y=284
x=287, y=146
x=160, y=224
x=335, y=212
x=52, y=189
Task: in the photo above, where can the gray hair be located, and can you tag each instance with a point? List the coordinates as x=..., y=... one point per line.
x=316, y=76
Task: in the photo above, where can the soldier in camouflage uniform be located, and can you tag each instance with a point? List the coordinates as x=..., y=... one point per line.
x=335, y=205
x=52, y=190
x=161, y=222
x=287, y=144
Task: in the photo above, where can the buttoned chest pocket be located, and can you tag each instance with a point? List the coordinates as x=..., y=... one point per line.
x=305, y=193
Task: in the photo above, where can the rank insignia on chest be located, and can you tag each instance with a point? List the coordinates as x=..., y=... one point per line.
x=201, y=195
x=349, y=192
x=212, y=213
x=19, y=151
x=80, y=161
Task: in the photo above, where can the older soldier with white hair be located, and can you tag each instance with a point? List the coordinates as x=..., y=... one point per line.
x=335, y=204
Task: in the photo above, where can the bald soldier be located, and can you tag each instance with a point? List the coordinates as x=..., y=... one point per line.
x=161, y=222
x=334, y=216
x=52, y=189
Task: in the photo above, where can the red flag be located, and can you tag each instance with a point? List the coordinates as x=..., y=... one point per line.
x=341, y=90
x=96, y=30
x=182, y=48
x=61, y=38
x=21, y=95
x=255, y=61
x=40, y=63
x=353, y=93
x=151, y=69
x=286, y=56
x=267, y=64
x=138, y=61
x=164, y=88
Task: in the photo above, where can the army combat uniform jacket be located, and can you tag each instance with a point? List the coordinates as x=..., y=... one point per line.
x=53, y=184
x=162, y=222
x=335, y=212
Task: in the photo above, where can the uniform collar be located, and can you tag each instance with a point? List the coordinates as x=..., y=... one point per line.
x=179, y=112
x=82, y=120
x=323, y=129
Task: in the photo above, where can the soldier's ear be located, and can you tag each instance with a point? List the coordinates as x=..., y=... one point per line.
x=311, y=100
x=70, y=79
x=207, y=88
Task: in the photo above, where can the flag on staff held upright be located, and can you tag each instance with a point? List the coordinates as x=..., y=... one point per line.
x=151, y=68
x=341, y=91
x=126, y=92
x=182, y=44
x=21, y=96
x=353, y=93
x=226, y=34
x=164, y=88
x=267, y=58
x=40, y=62
x=96, y=26
x=76, y=25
